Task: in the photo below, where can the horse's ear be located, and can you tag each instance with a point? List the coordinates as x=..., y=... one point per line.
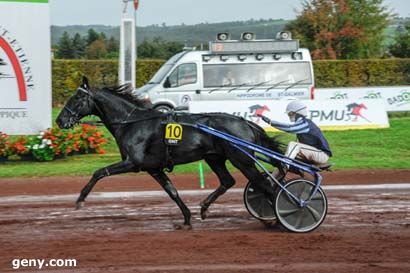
x=85, y=83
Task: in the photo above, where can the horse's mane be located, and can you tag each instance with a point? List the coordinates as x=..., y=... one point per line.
x=125, y=91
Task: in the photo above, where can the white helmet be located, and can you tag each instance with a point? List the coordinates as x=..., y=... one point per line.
x=298, y=107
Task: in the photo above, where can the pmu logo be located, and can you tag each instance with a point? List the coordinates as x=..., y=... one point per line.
x=258, y=109
x=254, y=110
x=353, y=112
x=15, y=68
x=356, y=111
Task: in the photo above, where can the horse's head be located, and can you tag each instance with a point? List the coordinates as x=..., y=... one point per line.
x=78, y=106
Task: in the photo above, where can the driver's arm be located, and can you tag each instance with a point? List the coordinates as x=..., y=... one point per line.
x=299, y=127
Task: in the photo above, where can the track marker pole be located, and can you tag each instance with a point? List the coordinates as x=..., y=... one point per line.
x=201, y=176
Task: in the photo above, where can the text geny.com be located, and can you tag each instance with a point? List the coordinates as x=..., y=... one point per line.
x=43, y=263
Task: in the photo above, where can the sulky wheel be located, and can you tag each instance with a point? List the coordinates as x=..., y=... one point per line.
x=294, y=217
x=257, y=203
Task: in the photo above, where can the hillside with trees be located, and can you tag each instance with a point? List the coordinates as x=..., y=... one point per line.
x=340, y=32
x=342, y=29
x=94, y=46
x=401, y=45
x=191, y=34
x=91, y=46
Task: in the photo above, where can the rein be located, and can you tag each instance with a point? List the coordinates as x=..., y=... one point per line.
x=126, y=121
x=90, y=95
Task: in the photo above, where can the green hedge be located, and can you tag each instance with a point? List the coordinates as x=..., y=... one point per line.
x=353, y=73
x=67, y=74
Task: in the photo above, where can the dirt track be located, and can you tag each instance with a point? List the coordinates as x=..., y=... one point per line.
x=67, y=184
x=365, y=230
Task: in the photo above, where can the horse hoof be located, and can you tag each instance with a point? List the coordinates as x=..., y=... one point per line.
x=182, y=227
x=79, y=205
x=204, y=213
x=270, y=224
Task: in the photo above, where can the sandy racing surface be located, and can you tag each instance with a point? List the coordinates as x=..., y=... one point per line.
x=125, y=228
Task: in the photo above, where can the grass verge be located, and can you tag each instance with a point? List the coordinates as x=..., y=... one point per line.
x=353, y=149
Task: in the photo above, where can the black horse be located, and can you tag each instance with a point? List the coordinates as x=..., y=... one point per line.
x=139, y=133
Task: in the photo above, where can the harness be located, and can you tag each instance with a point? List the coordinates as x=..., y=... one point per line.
x=171, y=117
x=167, y=118
x=90, y=95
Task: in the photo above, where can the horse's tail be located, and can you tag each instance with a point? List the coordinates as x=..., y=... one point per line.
x=271, y=143
x=261, y=138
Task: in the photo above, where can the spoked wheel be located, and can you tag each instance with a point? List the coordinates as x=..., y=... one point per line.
x=258, y=204
x=292, y=216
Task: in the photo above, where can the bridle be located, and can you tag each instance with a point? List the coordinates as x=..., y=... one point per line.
x=89, y=96
x=126, y=121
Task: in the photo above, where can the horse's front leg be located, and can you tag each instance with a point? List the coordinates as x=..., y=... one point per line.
x=117, y=168
x=166, y=184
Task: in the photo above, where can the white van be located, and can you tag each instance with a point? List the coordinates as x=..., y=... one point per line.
x=233, y=70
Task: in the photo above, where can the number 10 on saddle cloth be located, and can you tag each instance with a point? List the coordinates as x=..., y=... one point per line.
x=173, y=133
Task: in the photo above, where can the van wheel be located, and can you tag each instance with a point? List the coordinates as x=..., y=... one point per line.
x=163, y=108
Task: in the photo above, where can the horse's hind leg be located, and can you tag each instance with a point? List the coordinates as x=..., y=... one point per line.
x=249, y=170
x=117, y=168
x=217, y=164
x=166, y=183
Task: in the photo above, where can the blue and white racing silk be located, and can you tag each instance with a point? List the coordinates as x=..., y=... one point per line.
x=300, y=126
x=306, y=132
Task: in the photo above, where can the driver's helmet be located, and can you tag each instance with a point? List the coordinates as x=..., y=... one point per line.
x=297, y=107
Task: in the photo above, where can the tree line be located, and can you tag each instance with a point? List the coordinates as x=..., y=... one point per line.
x=401, y=47
x=190, y=34
x=96, y=46
x=330, y=29
x=93, y=46
x=348, y=29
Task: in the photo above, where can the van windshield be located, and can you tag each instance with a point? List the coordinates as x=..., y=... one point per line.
x=163, y=71
x=261, y=74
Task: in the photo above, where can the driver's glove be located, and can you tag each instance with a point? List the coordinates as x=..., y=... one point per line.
x=265, y=119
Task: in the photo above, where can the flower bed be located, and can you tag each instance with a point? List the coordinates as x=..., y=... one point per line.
x=4, y=147
x=53, y=143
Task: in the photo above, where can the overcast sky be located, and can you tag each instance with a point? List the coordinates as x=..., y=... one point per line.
x=176, y=12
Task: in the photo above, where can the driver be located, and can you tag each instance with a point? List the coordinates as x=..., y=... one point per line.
x=312, y=146
x=228, y=79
